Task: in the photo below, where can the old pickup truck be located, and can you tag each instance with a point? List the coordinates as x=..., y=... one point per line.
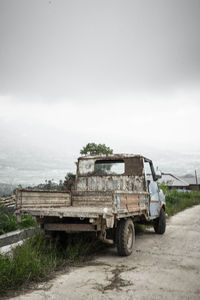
x=110, y=194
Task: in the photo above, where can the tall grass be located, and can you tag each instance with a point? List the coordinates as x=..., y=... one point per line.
x=177, y=201
x=39, y=256
x=8, y=221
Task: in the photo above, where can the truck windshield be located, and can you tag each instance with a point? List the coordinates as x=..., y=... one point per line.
x=109, y=167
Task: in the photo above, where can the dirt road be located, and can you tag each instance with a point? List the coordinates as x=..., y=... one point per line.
x=165, y=267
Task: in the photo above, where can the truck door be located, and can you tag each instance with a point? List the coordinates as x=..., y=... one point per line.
x=152, y=186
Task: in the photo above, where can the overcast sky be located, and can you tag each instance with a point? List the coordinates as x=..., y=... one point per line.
x=125, y=73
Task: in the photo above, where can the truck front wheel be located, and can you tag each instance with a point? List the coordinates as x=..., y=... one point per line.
x=160, y=223
x=125, y=237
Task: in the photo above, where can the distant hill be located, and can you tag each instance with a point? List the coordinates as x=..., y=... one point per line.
x=6, y=189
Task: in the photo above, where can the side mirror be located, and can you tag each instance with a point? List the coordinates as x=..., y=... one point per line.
x=158, y=174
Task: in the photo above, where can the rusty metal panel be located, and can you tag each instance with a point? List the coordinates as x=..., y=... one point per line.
x=94, y=198
x=92, y=184
x=86, y=166
x=81, y=183
x=87, y=202
x=111, y=183
x=69, y=227
x=134, y=166
x=130, y=202
x=133, y=163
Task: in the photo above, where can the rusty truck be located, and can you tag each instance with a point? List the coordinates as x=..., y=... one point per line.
x=111, y=193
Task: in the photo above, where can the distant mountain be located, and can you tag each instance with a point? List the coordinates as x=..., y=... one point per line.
x=6, y=189
x=33, y=167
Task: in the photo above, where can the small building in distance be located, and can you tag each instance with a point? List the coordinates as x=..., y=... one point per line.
x=194, y=183
x=173, y=182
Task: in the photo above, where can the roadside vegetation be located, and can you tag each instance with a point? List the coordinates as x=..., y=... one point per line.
x=8, y=221
x=177, y=201
x=38, y=257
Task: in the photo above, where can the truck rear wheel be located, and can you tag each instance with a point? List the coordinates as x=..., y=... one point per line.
x=160, y=223
x=125, y=237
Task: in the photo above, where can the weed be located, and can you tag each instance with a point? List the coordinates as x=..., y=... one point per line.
x=38, y=257
x=8, y=221
x=177, y=201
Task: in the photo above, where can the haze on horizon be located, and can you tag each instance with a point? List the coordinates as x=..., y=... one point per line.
x=123, y=73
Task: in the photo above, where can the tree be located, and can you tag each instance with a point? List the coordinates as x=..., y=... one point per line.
x=93, y=149
x=69, y=181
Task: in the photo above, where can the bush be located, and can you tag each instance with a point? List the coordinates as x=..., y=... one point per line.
x=8, y=221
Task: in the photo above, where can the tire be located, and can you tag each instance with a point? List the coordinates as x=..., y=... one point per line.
x=125, y=237
x=160, y=223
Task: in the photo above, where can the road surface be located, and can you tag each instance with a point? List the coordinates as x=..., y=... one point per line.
x=161, y=267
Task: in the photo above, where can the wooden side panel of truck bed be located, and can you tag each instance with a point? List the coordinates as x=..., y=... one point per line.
x=42, y=199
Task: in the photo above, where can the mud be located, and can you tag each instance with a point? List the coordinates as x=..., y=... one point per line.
x=161, y=266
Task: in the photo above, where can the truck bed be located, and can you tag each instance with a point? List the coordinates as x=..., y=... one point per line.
x=58, y=204
x=80, y=204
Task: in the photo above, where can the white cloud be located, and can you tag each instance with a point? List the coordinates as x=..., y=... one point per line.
x=163, y=122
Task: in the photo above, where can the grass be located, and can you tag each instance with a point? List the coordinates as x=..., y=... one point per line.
x=38, y=257
x=8, y=222
x=178, y=201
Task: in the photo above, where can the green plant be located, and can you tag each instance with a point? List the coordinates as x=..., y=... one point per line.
x=69, y=181
x=8, y=221
x=27, y=221
x=38, y=257
x=93, y=149
x=177, y=201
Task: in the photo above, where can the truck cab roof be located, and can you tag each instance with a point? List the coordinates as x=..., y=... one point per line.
x=112, y=156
